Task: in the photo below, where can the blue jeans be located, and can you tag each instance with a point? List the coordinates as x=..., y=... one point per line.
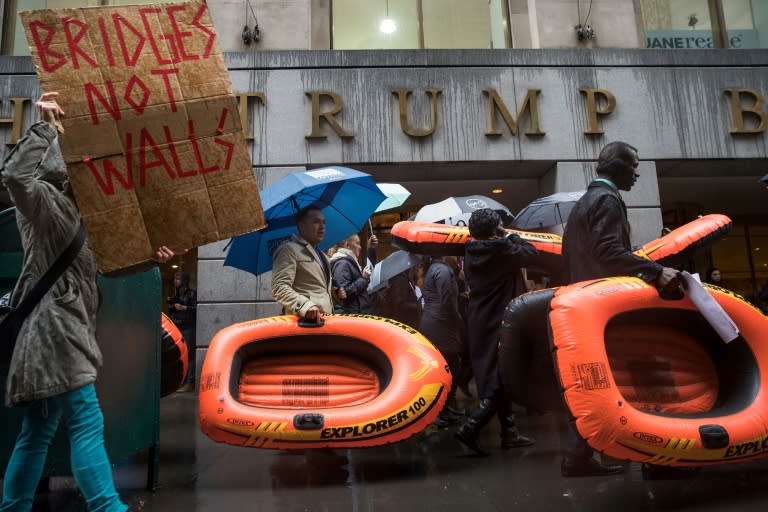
x=80, y=412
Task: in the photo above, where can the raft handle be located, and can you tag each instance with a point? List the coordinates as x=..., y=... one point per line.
x=308, y=323
x=308, y=421
x=674, y=293
x=713, y=437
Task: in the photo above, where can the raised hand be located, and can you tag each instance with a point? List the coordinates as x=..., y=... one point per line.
x=48, y=110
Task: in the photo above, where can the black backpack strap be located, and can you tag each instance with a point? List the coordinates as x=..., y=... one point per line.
x=29, y=302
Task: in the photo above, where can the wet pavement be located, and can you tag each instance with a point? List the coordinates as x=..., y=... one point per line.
x=428, y=472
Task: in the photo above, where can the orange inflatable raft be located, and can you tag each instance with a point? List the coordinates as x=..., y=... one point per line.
x=446, y=240
x=689, y=237
x=173, y=359
x=647, y=379
x=354, y=381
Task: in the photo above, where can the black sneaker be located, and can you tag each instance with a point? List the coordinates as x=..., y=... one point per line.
x=516, y=440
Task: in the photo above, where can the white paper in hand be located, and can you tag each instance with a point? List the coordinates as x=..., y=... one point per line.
x=723, y=325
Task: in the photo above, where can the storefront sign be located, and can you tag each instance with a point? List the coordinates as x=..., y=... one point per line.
x=698, y=39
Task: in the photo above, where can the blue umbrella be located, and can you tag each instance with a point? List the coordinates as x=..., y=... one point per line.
x=346, y=196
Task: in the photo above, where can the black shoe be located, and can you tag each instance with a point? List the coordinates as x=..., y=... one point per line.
x=446, y=419
x=515, y=440
x=470, y=441
x=468, y=433
x=573, y=467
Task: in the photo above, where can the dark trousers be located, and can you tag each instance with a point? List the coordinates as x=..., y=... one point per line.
x=189, y=337
x=574, y=445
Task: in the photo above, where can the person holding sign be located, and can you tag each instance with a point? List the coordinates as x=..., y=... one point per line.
x=55, y=360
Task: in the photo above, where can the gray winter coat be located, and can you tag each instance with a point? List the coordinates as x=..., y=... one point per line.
x=56, y=350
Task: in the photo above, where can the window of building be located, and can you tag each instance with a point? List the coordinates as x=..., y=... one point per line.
x=742, y=257
x=14, y=41
x=409, y=24
x=702, y=24
x=747, y=23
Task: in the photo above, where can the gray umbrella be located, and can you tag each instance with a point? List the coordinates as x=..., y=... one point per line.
x=457, y=210
x=548, y=213
x=394, y=264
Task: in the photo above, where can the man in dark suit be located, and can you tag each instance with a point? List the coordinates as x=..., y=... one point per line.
x=596, y=244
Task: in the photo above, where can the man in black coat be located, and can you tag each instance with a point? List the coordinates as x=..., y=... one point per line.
x=596, y=244
x=492, y=264
x=182, y=309
x=399, y=301
x=440, y=323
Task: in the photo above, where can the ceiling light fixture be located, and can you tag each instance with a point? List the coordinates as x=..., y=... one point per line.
x=387, y=25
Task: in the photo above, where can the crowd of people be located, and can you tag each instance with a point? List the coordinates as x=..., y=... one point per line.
x=458, y=303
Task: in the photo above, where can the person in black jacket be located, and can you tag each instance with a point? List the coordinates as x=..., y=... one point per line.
x=399, y=301
x=714, y=276
x=350, y=276
x=596, y=244
x=492, y=264
x=441, y=322
x=182, y=310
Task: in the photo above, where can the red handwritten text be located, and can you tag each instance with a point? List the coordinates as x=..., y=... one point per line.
x=153, y=155
x=130, y=38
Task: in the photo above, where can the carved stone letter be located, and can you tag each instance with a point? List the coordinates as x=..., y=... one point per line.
x=402, y=96
x=496, y=104
x=16, y=120
x=242, y=105
x=338, y=104
x=593, y=110
x=738, y=110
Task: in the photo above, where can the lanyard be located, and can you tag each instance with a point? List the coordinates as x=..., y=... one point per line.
x=609, y=183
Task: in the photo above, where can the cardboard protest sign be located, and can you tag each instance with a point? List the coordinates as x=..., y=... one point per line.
x=152, y=137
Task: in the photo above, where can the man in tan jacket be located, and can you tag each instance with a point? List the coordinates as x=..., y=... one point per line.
x=301, y=273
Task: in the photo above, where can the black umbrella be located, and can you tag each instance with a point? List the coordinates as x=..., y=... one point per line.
x=548, y=213
x=394, y=264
